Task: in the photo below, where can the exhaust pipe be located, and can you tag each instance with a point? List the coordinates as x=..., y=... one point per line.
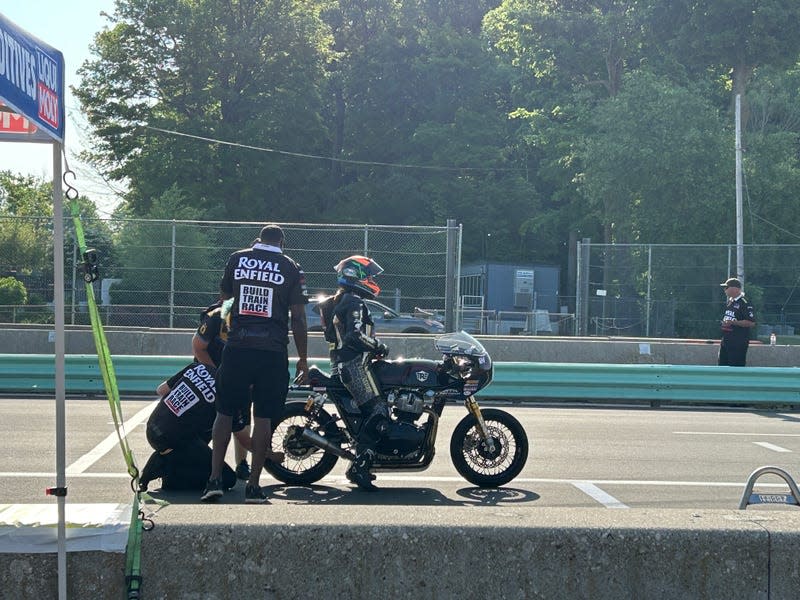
x=328, y=446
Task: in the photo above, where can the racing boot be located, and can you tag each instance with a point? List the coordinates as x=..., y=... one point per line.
x=154, y=468
x=358, y=472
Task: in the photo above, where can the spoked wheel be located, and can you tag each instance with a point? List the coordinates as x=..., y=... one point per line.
x=304, y=463
x=476, y=461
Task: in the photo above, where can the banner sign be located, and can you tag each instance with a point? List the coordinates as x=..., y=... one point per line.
x=10, y=122
x=32, y=79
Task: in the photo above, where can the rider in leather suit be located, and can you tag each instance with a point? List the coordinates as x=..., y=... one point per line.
x=348, y=331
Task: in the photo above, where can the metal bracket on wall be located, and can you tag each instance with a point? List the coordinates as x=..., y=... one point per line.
x=748, y=497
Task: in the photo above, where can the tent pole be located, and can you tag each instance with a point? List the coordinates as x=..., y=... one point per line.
x=60, y=384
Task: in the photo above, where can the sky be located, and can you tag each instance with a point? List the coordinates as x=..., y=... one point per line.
x=69, y=27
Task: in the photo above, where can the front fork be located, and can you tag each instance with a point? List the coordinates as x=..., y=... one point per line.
x=472, y=406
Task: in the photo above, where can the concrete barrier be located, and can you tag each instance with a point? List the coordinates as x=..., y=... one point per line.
x=91, y=574
x=36, y=339
x=494, y=550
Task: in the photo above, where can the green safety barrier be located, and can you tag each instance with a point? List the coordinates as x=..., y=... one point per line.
x=513, y=380
x=678, y=383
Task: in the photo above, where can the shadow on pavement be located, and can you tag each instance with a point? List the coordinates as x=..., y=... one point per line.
x=385, y=496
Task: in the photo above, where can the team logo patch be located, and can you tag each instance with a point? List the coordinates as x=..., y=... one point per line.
x=255, y=300
x=422, y=376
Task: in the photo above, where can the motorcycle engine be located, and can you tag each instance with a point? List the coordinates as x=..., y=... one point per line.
x=406, y=402
x=401, y=439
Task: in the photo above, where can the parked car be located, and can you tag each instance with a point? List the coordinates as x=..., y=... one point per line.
x=386, y=319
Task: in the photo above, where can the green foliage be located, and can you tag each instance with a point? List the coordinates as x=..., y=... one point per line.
x=740, y=35
x=241, y=71
x=25, y=196
x=531, y=122
x=146, y=251
x=25, y=223
x=12, y=291
x=644, y=166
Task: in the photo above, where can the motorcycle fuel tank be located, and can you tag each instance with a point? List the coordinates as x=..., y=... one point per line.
x=408, y=373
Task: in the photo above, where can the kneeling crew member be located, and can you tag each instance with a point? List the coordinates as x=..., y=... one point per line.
x=179, y=430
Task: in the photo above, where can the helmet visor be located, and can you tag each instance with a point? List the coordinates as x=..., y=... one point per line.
x=358, y=267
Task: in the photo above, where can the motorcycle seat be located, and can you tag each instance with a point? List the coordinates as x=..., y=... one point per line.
x=319, y=378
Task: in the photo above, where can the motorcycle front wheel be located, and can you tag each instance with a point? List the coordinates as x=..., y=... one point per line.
x=304, y=463
x=472, y=457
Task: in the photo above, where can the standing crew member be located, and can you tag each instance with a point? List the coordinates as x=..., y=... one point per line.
x=348, y=331
x=738, y=319
x=265, y=285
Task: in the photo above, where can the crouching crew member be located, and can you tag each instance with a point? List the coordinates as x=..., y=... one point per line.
x=179, y=430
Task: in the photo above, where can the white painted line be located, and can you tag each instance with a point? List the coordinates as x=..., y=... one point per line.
x=741, y=433
x=51, y=475
x=418, y=479
x=596, y=493
x=96, y=453
x=772, y=447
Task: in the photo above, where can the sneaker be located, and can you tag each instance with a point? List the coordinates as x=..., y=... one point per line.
x=213, y=490
x=243, y=470
x=253, y=494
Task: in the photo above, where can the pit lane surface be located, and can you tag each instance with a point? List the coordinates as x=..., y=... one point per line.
x=581, y=456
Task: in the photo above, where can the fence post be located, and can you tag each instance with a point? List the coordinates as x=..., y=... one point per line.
x=649, y=277
x=172, y=279
x=582, y=287
x=729, y=262
x=451, y=278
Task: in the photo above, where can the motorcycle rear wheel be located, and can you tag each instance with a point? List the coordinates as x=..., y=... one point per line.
x=472, y=458
x=304, y=463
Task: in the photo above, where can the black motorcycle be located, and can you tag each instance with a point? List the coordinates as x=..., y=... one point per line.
x=488, y=447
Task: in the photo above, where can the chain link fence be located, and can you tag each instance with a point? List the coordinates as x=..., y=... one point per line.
x=162, y=273
x=673, y=291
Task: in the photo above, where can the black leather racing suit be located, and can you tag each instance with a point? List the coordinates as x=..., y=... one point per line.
x=348, y=331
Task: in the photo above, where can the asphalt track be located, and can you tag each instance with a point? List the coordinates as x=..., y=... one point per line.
x=582, y=456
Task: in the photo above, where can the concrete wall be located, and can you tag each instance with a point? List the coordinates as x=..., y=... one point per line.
x=492, y=550
x=35, y=576
x=177, y=342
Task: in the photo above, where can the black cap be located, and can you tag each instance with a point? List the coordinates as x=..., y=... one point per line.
x=732, y=282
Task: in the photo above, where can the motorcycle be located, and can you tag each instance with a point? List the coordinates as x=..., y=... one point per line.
x=488, y=447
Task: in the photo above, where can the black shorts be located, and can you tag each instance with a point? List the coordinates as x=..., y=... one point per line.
x=265, y=370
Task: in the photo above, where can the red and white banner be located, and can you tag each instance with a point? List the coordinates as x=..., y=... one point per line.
x=13, y=123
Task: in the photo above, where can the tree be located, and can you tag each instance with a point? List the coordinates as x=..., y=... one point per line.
x=416, y=87
x=150, y=276
x=656, y=157
x=25, y=224
x=12, y=291
x=571, y=43
x=737, y=35
x=244, y=71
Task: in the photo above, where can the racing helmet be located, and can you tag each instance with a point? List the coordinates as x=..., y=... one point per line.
x=356, y=273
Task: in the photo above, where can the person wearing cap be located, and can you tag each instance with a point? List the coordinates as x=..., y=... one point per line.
x=738, y=319
x=262, y=287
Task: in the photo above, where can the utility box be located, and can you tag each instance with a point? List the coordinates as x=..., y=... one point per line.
x=513, y=298
x=523, y=289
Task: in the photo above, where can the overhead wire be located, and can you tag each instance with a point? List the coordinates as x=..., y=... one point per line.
x=329, y=158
